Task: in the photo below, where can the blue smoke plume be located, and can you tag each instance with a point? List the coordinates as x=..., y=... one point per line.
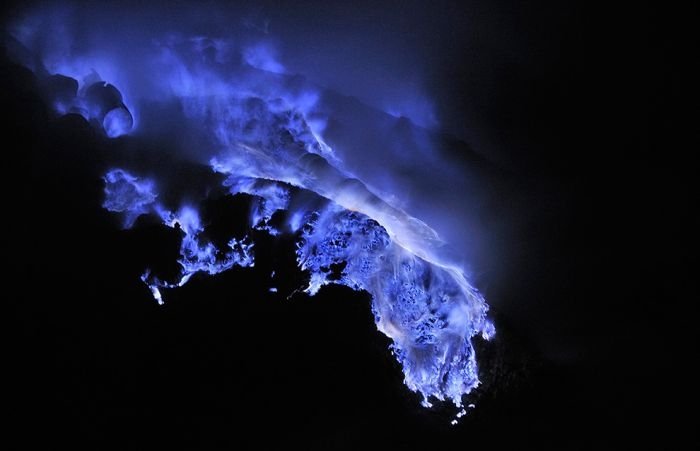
x=262, y=130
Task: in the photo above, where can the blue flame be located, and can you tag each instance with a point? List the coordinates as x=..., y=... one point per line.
x=133, y=197
x=264, y=132
x=127, y=194
x=430, y=311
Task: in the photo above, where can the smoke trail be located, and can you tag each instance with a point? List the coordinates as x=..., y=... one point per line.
x=262, y=131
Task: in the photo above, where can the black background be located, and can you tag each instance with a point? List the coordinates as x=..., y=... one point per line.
x=593, y=133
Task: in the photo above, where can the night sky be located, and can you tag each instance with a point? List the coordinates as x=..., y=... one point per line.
x=562, y=115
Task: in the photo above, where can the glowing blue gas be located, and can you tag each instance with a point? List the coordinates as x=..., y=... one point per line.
x=133, y=197
x=430, y=311
x=127, y=194
x=264, y=136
